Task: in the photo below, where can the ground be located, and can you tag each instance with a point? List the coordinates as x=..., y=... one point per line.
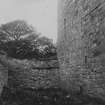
x=51, y=96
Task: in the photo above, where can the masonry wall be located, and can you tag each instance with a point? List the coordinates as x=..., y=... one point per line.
x=81, y=46
x=33, y=74
x=28, y=74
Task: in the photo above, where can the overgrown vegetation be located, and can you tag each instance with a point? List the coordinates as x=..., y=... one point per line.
x=51, y=96
x=20, y=40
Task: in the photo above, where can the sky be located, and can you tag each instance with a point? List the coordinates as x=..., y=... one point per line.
x=42, y=14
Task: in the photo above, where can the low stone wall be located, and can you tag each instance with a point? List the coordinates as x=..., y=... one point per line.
x=33, y=78
x=32, y=74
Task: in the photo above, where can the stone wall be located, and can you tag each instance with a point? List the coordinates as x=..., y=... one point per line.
x=81, y=49
x=35, y=75
x=32, y=74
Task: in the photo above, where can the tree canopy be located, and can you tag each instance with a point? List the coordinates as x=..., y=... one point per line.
x=15, y=30
x=21, y=41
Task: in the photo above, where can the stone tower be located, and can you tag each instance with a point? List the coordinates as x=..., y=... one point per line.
x=81, y=46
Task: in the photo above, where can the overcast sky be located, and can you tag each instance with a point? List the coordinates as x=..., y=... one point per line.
x=42, y=14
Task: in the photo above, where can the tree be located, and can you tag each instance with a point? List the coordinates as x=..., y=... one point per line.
x=19, y=49
x=3, y=39
x=46, y=48
x=21, y=41
x=15, y=32
x=29, y=49
x=17, y=29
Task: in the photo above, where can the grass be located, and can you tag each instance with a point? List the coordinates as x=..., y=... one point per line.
x=51, y=96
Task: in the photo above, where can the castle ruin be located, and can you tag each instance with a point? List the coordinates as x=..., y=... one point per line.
x=81, y=46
